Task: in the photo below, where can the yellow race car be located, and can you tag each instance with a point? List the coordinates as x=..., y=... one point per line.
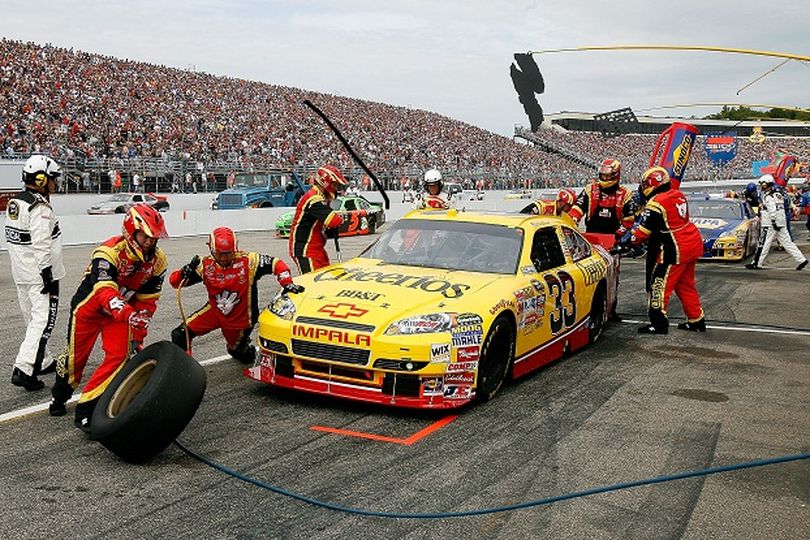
x=441, y=310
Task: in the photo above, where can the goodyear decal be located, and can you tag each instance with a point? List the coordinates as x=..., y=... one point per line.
x=503, y=304
x=426, y=283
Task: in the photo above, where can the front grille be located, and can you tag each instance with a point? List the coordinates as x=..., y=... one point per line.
x=231, y=200
x=332, y=353
x=398, y=365
x=361, y=376
x=335, y=324
x=406, y=385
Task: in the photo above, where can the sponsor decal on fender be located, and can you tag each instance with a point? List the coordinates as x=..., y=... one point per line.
x=468, y=354
x=503, y=304
x=432, y=387
x=467, y=338
x=461, y=391
x=331, y=334
x=462, y=377
x=461, y=367
x=425, y=283
x=440, y=352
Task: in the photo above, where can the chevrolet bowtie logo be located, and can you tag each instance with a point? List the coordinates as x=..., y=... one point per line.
x=343, y=311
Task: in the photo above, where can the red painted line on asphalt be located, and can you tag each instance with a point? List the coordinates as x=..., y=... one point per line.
x=422, y=433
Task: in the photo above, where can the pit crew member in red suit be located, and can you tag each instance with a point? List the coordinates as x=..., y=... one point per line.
x=666, y=219
x=433, y=198
x=116, y=298
x=230, y=277
x=312, y=216
x=606, y=206
x=566, y=198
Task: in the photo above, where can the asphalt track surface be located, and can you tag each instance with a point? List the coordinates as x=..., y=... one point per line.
x=630, y=407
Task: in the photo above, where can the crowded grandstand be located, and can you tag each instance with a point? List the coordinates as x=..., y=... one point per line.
x=96, y=113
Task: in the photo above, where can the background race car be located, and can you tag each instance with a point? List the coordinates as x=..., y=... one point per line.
x=121, y=202
x=519, y=194
x=353, y=225
x=440, y=311
x=729, y=227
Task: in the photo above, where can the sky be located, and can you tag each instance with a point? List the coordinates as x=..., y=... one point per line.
x=451, y=57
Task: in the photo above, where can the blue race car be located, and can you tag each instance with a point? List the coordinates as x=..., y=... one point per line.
x=729, y=227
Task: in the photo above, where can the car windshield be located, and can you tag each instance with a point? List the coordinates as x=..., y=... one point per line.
x=119, y=197
x=450, y=245
x=715, y=209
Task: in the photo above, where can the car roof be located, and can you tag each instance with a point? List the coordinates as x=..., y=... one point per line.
x=491, y=217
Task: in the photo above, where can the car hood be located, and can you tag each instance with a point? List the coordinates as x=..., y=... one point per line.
x=715, y=227
x=369, y=292
x=285, y=218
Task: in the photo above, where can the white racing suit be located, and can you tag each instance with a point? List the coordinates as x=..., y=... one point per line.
x=774, y=224
x=34, y=244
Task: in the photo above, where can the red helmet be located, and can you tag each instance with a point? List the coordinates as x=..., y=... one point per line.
x=652, y=179
x=146, y=219
x=610, y=172
x=223, y=245
x=330, y=180
x=567, y=196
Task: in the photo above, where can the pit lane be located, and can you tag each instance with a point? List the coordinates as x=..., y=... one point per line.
x=631, y=407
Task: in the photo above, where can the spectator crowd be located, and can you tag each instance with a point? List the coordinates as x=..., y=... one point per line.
x=74, y=105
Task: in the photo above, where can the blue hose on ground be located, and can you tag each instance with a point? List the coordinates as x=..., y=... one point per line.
x=511, y=507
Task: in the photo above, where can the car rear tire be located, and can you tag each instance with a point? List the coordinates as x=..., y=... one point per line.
x=599, y=313
x=497, y=352
x=120, y=210
x=372, y=225
x=149, y=403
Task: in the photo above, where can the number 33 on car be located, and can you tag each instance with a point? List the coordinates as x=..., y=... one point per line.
x=443, y=309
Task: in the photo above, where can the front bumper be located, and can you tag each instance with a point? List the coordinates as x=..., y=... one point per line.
x=367, y=384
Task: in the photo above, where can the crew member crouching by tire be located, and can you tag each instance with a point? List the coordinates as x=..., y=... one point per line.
x=116, y=298
x=230, y=278
x=666, y=221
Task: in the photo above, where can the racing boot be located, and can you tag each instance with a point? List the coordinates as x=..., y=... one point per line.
x=650, y=329
x=697, y=326
x=29, y=382
x=84, y=413
x=57, y=408
x=802, y=265
x=753, y=266
x=51, y=368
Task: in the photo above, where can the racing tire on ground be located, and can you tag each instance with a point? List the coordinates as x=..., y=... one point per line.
x=599, y=313
x=149, y=402
x=495, y=360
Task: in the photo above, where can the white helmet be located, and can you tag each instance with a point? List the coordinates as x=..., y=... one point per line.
x=39, y=169
x=433, y=177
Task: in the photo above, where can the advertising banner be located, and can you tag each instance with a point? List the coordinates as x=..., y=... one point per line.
x=721, y=147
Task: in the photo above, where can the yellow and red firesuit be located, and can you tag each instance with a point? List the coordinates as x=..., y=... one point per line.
x=232, y=293
x=313, y=214
x=666, y=219
x=116, y=298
